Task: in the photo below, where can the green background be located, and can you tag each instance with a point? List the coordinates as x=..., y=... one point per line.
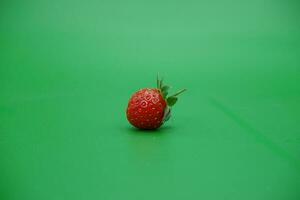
x=68, y=68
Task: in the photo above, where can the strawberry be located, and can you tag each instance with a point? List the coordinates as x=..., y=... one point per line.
x=149, y=108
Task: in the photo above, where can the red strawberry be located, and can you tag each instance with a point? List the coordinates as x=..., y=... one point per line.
x=150, y=108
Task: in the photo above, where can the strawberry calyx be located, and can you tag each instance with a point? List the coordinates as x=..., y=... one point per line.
x=170, y=99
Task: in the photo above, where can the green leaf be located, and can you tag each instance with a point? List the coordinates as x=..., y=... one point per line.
x=165, y=94
x=161, y=83
x=165, y=90
x=167, y=114
x=171, y=100
x=167, y=117
x=179, y=92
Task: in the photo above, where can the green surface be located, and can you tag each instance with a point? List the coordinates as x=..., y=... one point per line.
x=68, y=68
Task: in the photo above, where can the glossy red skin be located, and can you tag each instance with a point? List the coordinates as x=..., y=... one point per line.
x=146, y=109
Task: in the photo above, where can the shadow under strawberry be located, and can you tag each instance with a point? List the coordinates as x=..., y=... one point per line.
x=161, y=130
